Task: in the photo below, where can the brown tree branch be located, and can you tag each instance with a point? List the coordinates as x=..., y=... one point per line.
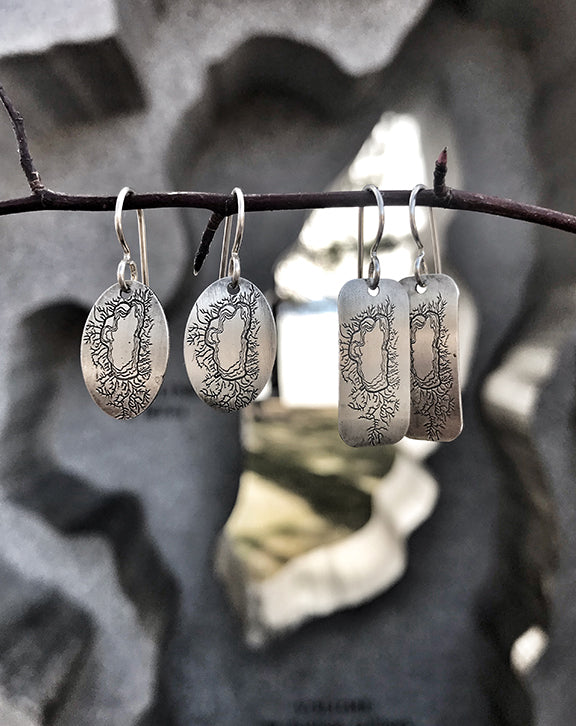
x=224, y=204
x=220, y=205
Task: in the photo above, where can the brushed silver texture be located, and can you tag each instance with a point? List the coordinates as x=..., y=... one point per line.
x=230, y=344
x=124, y=350
x=436, y=406
x=374, y=387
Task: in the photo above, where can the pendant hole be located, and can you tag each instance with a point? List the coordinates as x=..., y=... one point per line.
x=126, y=294
x=233, y=289
x=374, y=292
x=421, y=289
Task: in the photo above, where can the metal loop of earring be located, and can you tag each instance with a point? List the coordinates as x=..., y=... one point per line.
x=125, y=344
x=230, y=339
x=127, y=260
x=233, y=266
x=420, y=266
x=374, y=268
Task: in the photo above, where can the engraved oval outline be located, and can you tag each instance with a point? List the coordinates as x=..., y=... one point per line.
x=432, y=378
x=366, y=325
x=216, y=333
x=121, y=311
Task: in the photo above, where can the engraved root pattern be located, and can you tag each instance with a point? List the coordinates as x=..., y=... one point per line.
x=227, y=387
x=376, y=400
x=430, y=395
x=124, y=387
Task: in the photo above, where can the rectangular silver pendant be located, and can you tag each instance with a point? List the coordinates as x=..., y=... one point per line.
x=436, y=408
x=374, y=388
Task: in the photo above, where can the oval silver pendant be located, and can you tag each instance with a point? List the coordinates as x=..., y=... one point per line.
x=124, y=351
x=230, y=344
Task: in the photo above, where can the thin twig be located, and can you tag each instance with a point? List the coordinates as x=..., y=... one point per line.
x=204, y=247
x=26, y=162
x=440, y=171
x=43, y=199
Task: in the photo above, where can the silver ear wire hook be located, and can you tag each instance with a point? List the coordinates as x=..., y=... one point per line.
x=233, y=265
x=420, y=267
x=374, y=269
x=127, y=259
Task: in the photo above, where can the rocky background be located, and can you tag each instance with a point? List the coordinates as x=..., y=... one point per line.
x=110, y=612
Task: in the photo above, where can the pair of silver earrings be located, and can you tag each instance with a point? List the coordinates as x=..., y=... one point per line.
x=398, y=348
x=229, y=344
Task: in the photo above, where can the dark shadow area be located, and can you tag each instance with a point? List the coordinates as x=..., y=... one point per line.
x=73, y=505
x=45, y=640
x=105, y=82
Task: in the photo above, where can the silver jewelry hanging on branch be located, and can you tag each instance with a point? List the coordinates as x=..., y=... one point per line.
x=230, y=338
x=374, y=382
x=125, y=345
x=436, y=408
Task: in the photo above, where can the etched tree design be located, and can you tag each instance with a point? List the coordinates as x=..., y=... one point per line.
x=430, y=395
x=376, y=400
x=124, y=388
x=231, y=387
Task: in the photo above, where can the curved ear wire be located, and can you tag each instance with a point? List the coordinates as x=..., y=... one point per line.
x=374, y=269
x=233, y=266
x=127, y=259
x=420, y=267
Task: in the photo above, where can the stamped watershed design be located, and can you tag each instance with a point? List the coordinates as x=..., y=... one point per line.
x=374, y=393
x=436, y=411
x=122, y=367
x=229, y=381
x=374, y=365
x=230, y=345
x=431, y=390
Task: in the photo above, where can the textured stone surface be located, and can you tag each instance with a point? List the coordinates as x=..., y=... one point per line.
x=123, y=519
x=44, y=640
x=62, y=459
x=31, y=27
x=337, y=575
x=554, y=698
x=73, y=61
x=117, y=674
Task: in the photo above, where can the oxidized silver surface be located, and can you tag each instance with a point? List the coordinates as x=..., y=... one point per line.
x=124, y=350
x=230, y=344
x=374, y=390
x=436, y=408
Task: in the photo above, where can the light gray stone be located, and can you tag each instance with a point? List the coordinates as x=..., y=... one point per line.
x=44, y=641
x=273, y=98
x=550, y=680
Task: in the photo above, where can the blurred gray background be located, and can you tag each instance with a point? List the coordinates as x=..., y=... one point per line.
x=110, y=612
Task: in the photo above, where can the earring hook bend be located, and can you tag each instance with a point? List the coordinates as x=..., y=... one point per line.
x=420, y=267
x=374, y=269
x=233, y=265
x=124, y=192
